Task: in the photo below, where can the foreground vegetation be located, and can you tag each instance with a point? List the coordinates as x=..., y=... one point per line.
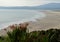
x=20, y=35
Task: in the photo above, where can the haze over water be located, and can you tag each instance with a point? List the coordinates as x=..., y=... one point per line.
x=8, y=17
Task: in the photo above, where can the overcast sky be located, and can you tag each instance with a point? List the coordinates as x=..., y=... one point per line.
x=26, y=2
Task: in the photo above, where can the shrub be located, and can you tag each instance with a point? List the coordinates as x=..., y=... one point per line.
x=19, y=35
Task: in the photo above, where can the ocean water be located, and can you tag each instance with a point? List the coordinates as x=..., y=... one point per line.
x=9, y=17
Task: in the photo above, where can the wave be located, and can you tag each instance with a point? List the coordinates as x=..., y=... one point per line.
x=35, y=16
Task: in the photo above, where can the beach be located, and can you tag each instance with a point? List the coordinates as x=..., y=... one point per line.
x=52, y=20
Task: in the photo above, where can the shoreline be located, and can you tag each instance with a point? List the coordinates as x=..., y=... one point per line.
x=40, y=15
x=52, y=20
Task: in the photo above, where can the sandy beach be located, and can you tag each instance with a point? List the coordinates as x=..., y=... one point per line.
x=52, y=20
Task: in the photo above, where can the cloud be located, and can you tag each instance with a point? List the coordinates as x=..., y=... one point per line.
x=25, y=2
x=51, y=0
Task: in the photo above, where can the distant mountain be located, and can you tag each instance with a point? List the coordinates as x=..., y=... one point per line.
x=49, y=6
x=46, y=6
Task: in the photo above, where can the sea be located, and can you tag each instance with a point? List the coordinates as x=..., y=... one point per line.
x=14, y=16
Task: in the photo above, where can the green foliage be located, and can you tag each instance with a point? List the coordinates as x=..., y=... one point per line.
x=19, y=35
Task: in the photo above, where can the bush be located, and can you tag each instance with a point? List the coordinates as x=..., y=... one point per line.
x=19, y=35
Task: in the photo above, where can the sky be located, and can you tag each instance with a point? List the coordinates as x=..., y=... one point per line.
x=26, y=2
